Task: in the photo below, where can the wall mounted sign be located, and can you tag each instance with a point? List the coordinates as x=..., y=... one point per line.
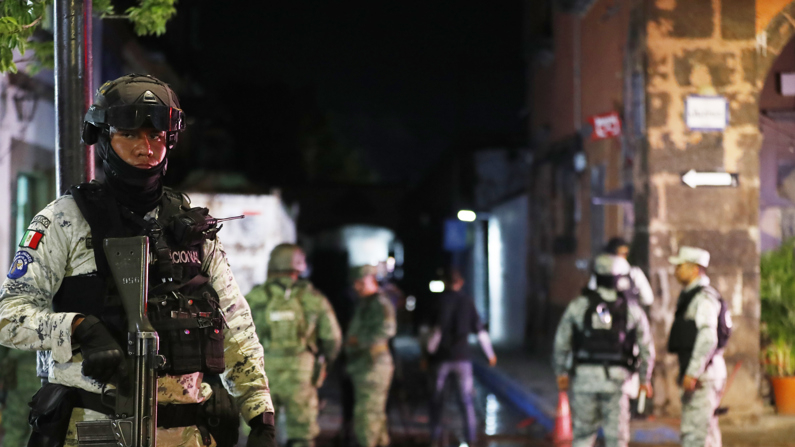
x=706, y=113
x=786, y=83
x=455, y=235
x=607, y=125
x=693, y=179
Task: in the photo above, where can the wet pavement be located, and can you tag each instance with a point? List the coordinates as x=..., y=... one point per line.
x=500, y=424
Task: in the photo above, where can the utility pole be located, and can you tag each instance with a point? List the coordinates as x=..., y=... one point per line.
x=73, y=162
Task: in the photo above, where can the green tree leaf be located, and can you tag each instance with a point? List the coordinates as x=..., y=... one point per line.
x=19, y=19
x=151, y=16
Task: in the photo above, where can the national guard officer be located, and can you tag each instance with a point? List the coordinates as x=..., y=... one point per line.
x=299, y=335
x=596, y=341
x=642, y=289
x=702, y=326
x=369, y=361
x=59, y=295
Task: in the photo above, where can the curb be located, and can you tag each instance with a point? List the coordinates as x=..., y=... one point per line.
x=506, y=388
x=533, y=406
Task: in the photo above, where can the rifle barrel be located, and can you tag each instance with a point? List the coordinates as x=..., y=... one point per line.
x=225, y=219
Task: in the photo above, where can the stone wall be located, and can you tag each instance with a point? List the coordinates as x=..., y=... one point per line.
x=706, y=47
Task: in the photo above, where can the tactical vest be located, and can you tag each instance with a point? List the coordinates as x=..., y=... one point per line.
x=604, y=338
x=182, y=306
x=286, y=328
x=682, y=338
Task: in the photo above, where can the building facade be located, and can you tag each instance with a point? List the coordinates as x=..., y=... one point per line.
x=698, y=85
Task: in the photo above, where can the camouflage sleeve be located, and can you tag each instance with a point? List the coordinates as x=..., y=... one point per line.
x=379, y=330
x=644, y=288
x=707, y=311
x=257, y=301
x=329, y=334
x=245, y=374
x=645, y=343
x=563, y=337
x=27, y=321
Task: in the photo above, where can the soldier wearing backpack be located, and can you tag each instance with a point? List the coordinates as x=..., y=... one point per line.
x=702, y=326
x=299, y=334
x=595, y=354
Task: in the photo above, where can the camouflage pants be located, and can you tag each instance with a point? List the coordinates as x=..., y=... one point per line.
x=699, y=423
x=293, y=393
x=16, y=409
x=370, y=391
x=592, y=410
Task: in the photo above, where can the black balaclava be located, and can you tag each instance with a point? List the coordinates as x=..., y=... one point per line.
x=139, y=190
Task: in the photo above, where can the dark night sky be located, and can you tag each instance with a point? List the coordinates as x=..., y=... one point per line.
x=403, y=81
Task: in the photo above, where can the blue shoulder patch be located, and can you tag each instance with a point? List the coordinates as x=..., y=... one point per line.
x=19, y=266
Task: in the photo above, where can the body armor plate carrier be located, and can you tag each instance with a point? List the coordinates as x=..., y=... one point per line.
x=287, y=329
x=682, y=338
x=604, y=338
x=183, y=307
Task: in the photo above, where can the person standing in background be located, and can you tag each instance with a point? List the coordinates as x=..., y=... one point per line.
x=300, y=336
x=594, y=355
x=641, y=288
x=702, y=326
x=370, y=364
x=448, y=348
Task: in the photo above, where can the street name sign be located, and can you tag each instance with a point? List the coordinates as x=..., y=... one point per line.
x=706, y=113
x=693, y=179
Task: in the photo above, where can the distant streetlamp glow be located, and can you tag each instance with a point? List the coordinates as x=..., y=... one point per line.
x=436, y=286
x=467, y=216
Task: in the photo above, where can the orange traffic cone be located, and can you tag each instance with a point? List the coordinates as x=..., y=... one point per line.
x=562, y=436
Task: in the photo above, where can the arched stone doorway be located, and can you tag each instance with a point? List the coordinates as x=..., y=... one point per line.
x=775, y=60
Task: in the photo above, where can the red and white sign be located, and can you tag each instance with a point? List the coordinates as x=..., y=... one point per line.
x=604, y=126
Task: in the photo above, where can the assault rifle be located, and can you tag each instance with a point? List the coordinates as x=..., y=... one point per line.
x=134, y=401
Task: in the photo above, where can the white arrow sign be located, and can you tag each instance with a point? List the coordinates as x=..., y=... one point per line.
x=693, y=179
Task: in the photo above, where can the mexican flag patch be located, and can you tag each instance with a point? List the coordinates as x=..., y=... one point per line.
x=31, y=239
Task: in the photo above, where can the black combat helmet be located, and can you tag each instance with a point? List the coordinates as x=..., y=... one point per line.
x=130, y=102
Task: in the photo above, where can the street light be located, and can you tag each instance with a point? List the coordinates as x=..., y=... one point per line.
x=436, y=286
x=467, y=216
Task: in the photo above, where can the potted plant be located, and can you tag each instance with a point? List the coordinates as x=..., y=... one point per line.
x=777, y=295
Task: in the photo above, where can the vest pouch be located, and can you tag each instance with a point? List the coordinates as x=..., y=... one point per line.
x=180, y=336
x=213, y=354
x=222, y=413
x=50, y=411
x=187, y=351
x=286, y=324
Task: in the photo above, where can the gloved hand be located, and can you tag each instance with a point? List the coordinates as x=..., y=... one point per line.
x=102, y=356
x=263, y=431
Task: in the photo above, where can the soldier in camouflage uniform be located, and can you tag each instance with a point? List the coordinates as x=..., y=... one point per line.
x=697, y=327
x=299, y=335
x=56, y=296
x=594, y=344
x=369, y=361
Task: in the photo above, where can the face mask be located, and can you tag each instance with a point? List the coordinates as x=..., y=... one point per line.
x=139, y=190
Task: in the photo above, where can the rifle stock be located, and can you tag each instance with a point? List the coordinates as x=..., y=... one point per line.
x=134, y=422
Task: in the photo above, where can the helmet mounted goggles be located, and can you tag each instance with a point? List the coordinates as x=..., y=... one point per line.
x=133, y=116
